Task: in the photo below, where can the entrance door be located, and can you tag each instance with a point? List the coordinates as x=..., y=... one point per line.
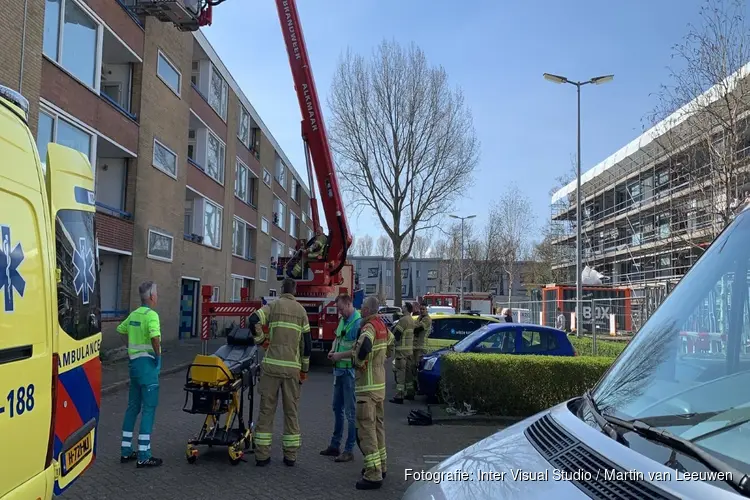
x=188, y=307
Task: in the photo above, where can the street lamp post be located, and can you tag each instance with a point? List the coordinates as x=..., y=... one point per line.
x=461, y=262
x=579, y=288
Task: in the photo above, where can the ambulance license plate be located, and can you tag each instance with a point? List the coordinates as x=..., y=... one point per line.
x=78, y=452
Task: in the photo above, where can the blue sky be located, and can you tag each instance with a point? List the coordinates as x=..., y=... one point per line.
x=496, y=51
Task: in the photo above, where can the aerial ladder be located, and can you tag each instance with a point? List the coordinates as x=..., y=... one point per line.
x=330, y=275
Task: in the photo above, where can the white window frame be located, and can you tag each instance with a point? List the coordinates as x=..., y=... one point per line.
x=281, y=217
x=267, y=177
x=157, y=167
x=281, y=171
x=265, y=223
x=222, y=161
x=219, y=226
x=242, y=282
x=295, y=189
x=239, y=165
x=244, y=140
x=292, y=219
x=56, y=117
x=178, y=91
x=247, y=225
x=148, y=246
x=260, y=273
x=60, y=40
x=224, y=93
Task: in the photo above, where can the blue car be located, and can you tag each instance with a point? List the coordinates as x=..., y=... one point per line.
x=496, y=338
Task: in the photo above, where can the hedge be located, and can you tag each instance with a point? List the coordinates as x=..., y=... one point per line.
x=512, y=385
x=584, y=346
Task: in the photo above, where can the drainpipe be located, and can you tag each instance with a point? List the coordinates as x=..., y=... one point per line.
x=23, y=45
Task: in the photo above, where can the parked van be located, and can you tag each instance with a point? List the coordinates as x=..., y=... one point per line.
x=50, y=334
x=670, y=419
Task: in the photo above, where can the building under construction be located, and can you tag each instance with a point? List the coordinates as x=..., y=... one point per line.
x=651, y=209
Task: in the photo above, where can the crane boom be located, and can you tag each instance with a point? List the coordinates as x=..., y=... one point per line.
x=314, y=135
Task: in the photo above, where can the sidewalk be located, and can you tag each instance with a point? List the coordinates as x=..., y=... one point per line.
x=176, y=356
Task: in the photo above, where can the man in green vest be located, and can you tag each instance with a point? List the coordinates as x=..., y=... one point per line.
x=343, y=381
x=144, y=351
x=374, y=345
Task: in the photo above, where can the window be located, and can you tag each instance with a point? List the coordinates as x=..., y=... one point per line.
x=243, y=127
x=536, y=341
x=280, y=174
x=168, y=73
x=243, y=236
x=244, y=183
x=388, y=273
x=215, y=158
x=455, y=328
x=160, y=245
x=79, y=311
x=279, y=213
x=404, y=273
x=295, y=189
x=501, y=342
x=165, y=159
x=238, y=283
x=266, y=177
x=309, y=233
x=55, y=128
x=212, y=224
x=293, y=225
x=195, y=73
x=217, y=93
x=264, y=225
x=403, y=290
x=371, y=289
x=432, y=274
x=373, y=272
x=71, y=39
x=263, y=273
x=272, y=292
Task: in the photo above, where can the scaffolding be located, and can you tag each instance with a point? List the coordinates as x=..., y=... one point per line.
x=651, y=209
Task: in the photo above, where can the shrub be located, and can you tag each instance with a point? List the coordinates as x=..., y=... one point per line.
x=584, y=346
x=512, y=385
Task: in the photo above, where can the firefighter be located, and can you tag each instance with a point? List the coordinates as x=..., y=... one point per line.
x=404, y=336
x=374, y=345
x=313, y=251
x=284, y=367
x=422, y=329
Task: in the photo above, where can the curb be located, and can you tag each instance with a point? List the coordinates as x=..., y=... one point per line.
x=116, y=386
x=476, y=420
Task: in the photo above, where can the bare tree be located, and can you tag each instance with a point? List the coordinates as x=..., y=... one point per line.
x=404, y=140
x=547, y=259
x=384, y=246
x=485, y=253
x=516, y=222
x=449, y=250
x=706, y=134
x=421, y=248
x=363, y=245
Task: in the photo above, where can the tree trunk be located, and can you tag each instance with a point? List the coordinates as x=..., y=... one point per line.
x=397, y=274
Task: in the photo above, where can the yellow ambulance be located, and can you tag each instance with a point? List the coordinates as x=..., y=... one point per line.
x=50, y=333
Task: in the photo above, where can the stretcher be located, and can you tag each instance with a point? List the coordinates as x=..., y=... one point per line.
x=215, y=386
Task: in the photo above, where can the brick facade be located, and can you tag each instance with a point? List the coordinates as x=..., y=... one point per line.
x=156, y=200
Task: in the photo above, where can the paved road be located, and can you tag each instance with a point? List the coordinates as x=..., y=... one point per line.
x=212, y=476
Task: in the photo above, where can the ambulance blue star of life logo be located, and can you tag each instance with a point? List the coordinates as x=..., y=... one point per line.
x=11, y=281
x=85, y=278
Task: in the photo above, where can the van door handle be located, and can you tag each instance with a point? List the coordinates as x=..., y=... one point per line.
x=13, y=354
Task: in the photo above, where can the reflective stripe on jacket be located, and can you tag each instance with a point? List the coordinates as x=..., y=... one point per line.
x=289, y=338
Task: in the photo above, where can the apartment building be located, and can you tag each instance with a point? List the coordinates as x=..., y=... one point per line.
x=192, y=188
x=651, y=208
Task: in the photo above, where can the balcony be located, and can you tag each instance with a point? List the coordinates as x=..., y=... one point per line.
x=115, y=85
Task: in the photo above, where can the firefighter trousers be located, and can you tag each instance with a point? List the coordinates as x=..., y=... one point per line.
x=411, y=381
x=371, y=436
x=268, y=388
x=402, y=370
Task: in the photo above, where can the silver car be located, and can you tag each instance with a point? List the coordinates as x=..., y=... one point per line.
x=670, y=419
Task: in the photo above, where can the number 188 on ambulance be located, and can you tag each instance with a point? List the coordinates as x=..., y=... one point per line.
x=50, y=334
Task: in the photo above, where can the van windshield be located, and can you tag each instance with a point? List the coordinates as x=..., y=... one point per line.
x=78, y=307
x=688, y=369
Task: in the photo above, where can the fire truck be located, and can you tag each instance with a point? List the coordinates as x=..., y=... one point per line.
x=473, y=301
x=330, y=275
